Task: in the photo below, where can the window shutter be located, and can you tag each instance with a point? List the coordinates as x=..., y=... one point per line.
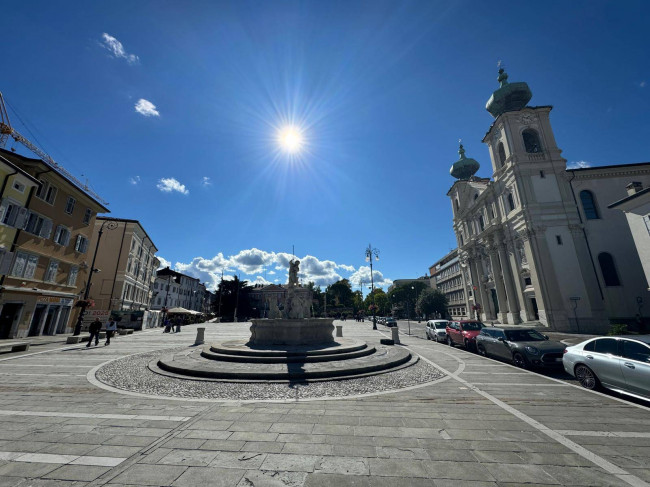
x=77, y=245
x=5, y=263
x=67, y=237
x=21, y=219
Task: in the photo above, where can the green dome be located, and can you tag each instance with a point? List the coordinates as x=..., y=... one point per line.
x=464, y=168
x=510, y=97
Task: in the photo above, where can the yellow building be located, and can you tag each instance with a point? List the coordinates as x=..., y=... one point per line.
x=51, y=253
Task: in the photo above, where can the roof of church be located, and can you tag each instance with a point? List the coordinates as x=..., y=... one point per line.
x=509, y=97
x=629, y=197
x=610, y=166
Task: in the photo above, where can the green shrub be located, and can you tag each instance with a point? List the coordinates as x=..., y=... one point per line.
x=618, y=330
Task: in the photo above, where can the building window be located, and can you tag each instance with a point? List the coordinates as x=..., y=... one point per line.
x=52, y=269
x=18, y=186
x=72, y=275
x=69, y=206
x=541, y=174
x=24, y=265
x=9, y=212
x=457, y=205
x=558, y=239
x=531, y=141
x=589, y=205
x=481, y=222
x=81, y=245
x=62, y=235
x=502, y=155
x=511, y=202
x=38, y=225
x=87, y=216
x=527, y=281
x=608, y=269
x=46, y=192
x=475, y=196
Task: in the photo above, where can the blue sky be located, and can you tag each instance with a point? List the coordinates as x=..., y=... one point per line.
x=381, y=90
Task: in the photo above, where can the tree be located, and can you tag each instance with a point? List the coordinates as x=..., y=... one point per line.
x=432, y=301
x=341, y=293
x=380, y=299
x=406, y=295
x=229, y=290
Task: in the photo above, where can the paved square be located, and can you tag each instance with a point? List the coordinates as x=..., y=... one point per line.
x=484, y=423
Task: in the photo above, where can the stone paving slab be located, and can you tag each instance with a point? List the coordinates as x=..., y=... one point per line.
x=455, y=432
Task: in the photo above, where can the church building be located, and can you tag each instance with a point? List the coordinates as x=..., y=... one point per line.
x=537, y=242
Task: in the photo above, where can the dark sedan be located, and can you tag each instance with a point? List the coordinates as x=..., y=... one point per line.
x=524, y=347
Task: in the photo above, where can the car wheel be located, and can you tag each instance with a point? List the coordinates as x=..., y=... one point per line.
x=449, y=341
x=428, y=337
x=467, y=345
x=481, y=350
x=586, y=377
x=519, y=361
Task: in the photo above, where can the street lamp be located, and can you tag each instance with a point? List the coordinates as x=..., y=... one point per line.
x=370, y=253
x=110, y=225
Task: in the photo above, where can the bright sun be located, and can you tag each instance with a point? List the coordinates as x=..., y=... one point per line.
x=290, y=139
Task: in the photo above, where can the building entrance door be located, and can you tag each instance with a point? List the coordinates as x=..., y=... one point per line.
x=63, y=319
x=533, y=303
x=37, y=319
x=50, y=320
x=495, y=300
x=9, y=314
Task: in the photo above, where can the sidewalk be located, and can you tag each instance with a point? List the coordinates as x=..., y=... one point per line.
x=485, y=423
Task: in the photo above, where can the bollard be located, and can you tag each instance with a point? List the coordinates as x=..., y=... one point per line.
x=200, y=337
x=339, y=330
x=395, y=332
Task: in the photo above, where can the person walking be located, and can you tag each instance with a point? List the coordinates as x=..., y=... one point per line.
x=168, y=326
x=179, y=322
x=111, y=328
x=93, y=329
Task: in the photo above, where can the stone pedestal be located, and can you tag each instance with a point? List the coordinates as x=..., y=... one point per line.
x=200, y=336
x=395, y=333
x=339, y=331
x=292, y=332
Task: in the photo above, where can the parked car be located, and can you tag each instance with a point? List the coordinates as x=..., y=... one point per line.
x=463, y=333
x=390, y=322
x=620, y=363
x=437, y=330
x=524, y=347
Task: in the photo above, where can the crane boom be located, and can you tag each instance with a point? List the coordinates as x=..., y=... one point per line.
x=7, y=130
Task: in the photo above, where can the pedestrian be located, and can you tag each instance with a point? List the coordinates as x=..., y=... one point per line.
x=178, y=324
x=93, y=329
x=111, y=327
x=168, y=326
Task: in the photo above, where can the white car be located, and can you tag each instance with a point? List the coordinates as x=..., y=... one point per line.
x=619, y=363
x=436, y=330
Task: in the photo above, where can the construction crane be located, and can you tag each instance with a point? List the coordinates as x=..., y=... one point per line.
x=7, y=130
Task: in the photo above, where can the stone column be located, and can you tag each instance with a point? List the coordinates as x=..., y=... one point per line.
x=516, y=266
x=498, y=283
x=490, y=311
x=477, y=274
x=513, y=301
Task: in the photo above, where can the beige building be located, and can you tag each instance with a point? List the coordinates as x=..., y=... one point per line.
x=536, y=242
x=447, y=277
x=51, y=254
x=173, y=289
x=127, y=263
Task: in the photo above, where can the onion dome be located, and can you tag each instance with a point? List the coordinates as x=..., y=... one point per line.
x=464, y=168
x=510, y=97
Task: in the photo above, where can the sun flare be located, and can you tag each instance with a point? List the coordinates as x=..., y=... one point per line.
x=291, y=139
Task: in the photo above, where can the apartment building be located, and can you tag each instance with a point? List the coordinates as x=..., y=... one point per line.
x=173, y=289
x=50, y=250
x=447, y=277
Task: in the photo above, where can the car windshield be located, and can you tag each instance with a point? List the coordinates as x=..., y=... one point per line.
x=442, y=325
x=474, y=326
x=524, y=336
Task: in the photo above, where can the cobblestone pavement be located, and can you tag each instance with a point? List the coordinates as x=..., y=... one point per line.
x=484, y=424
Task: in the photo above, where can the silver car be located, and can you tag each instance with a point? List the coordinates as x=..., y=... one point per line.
x=436, y=330
x=620, y=363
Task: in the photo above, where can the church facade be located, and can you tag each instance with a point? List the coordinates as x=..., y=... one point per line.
x=537, y=243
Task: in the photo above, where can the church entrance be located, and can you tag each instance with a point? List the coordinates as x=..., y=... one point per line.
x=8, y=316
x=495, y=301
x=533, y=303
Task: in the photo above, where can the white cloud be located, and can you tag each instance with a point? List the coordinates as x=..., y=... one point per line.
x=578, y=165
x=134, y=180
x=252, y=263
x=206, y=181
x=363, y=275
x=117, y=49
x=163, y=262
x=146, y=108
x=642, y=84
x=167, y=185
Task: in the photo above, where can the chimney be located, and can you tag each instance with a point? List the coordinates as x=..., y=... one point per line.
x=634, y=187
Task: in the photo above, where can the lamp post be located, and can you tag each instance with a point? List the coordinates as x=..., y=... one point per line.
x=370, y=253
x=110, y=225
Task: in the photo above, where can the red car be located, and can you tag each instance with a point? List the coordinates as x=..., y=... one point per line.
x=463, y=333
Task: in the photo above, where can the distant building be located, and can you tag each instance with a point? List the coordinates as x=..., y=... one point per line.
x=536, y=243
x=263, y=297
x=447, y=277
x=403, y=282
x=50, y=225
x=174, y=289
x=126, y=258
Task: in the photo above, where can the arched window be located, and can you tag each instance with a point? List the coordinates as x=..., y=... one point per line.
x=481, y=222
x=589, y=205
x=502, y=155
x=475, y=196
x=531, y=141
x=511, y=202
x=608, y=269
x=457, y=205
